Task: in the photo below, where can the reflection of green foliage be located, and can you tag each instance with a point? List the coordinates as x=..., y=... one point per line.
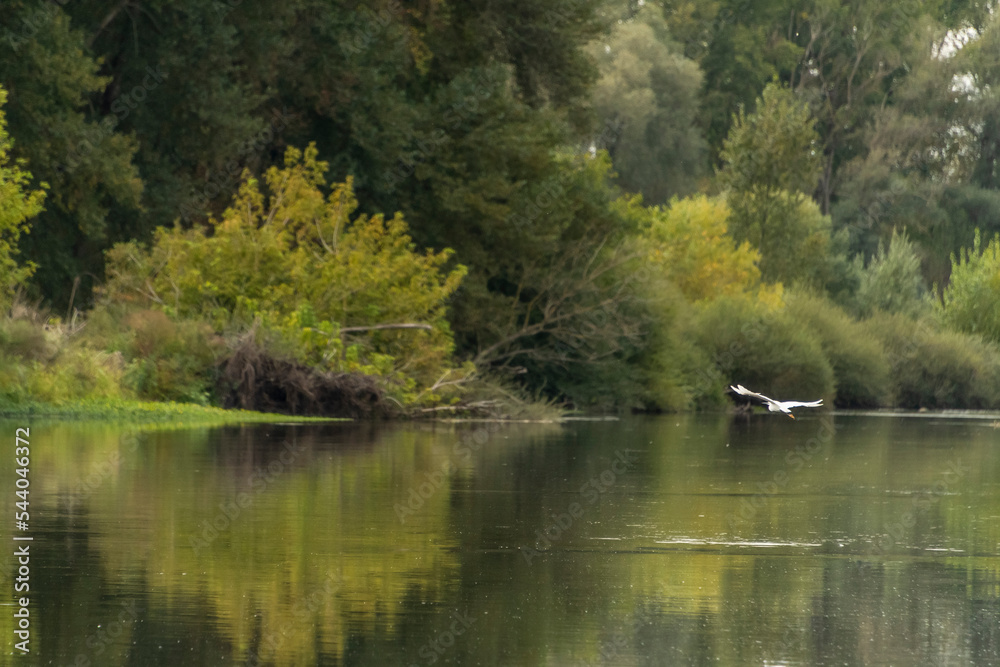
x=702, y=587
x=294, y=536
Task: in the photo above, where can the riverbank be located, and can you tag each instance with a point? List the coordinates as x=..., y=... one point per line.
x=146, y=412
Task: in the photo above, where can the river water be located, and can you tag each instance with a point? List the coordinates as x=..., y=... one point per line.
x=677, y=540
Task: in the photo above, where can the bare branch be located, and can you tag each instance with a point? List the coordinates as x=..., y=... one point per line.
x=379, y=327
x=107, y=21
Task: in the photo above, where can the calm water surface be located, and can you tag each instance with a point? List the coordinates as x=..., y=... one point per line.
x=692, y=540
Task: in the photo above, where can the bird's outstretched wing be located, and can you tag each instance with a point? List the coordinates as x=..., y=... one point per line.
x=798, y=404
x=740, y=389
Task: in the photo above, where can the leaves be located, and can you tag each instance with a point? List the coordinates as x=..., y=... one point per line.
x=297, y=261
x=648, y=91
x=772, y=161
x=892, y=282
x=773, y=149
x=18, y=204
x=689, y=241
x=971, y=301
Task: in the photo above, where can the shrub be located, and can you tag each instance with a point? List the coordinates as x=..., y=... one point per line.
x=672, y=365
x=858, y=360
x=934, y=368
x=971, y=302
x=25, y=339
x=892, y=281
x=46, y=362
x=300, y=266
x=761, y=347
x=77, y=372
x=171, y=361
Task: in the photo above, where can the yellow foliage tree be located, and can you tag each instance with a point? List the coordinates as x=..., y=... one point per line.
x=17, y=206
x=297, y=262
x=689, y=240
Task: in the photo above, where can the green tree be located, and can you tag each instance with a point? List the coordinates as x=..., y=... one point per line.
x=772, y=149
x=971, y=301
x=853, y=54
x=892, y=281
x=453, y=114
x=18, y=204
x=771, y=162
x=689, y=241
x=740, y=47
x=911, y=162
x=296, y=261
x=648, y=92
x=846, y=57
x=52, y=78
x=566, y=310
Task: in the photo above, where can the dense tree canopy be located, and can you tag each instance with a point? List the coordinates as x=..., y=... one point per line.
x=297, y=263
x=17, y=207
x=608, y=172
x=649, y=90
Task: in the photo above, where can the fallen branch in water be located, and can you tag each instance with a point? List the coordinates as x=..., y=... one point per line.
x=463, y=406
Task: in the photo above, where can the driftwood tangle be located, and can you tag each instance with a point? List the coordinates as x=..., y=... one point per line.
x=252, y=379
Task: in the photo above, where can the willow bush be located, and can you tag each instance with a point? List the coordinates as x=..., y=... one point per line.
x=936, y=368
x=289, y=259
x=760, y=345
x=860, y=368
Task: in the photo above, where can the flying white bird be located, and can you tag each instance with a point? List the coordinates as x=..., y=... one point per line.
x=776, y=406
